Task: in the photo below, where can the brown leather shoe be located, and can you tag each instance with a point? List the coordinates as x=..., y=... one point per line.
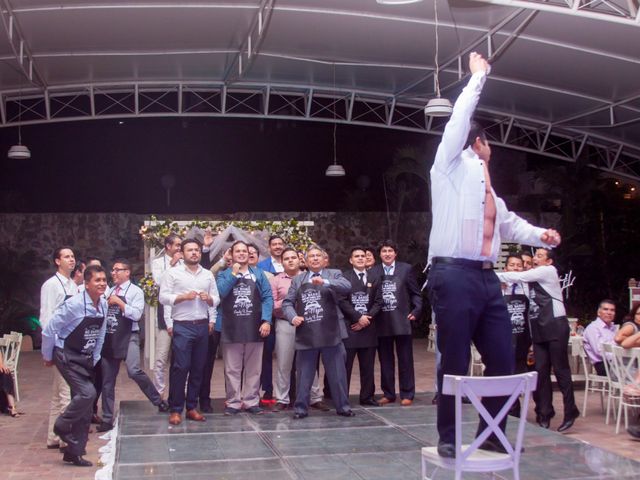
x=385, y=400
x=195, y=415
x=405, y=402
x=175, y=418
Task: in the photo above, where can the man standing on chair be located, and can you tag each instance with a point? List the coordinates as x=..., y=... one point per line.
x=122, y=342
x=469, y=222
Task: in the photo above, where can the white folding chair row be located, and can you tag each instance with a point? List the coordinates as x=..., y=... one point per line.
x=593, y=382
x=627, y=366
x=11, y=354
x=469, y=458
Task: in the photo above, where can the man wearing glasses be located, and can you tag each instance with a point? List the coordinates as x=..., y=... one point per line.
x=122, y=342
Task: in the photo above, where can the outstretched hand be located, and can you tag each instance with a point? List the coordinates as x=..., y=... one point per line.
x=551, y=237
x=477, y=63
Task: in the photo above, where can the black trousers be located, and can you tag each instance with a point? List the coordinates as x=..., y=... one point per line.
x=189, y=353
x=76, y=418
x=553, y=354
x=468, y=305
x=212, y=351
x=366, y=360
x=97, y=384
x=406, y=376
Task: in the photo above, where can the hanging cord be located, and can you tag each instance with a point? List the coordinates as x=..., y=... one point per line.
x=437, y=76
x=335, y=125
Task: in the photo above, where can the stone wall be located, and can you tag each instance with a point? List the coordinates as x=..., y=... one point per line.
x=112, y=235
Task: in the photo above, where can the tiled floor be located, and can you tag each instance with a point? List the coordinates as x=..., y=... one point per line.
x=384, y=444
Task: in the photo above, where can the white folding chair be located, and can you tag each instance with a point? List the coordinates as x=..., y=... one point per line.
x=469, y=458
x=13, y=342
x=627, y=361
x=592, y=381
x=615, y=386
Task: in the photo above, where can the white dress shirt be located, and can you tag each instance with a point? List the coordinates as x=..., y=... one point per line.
x=134, y=301
x=52, y=295
x=547, y=277
x=158, y=267
x=179, y=280
x=458, y=192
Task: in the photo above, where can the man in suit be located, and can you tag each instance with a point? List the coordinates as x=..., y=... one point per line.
x=359, y=306
x=311, y=305
x=401, y=305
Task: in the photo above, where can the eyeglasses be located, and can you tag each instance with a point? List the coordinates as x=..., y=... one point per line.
x=119, y=269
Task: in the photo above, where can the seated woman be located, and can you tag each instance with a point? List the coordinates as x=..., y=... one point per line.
x=6, y=388
x=627, y=335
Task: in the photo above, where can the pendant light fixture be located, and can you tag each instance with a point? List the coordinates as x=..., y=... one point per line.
x=397, y=2
x=19, y=151
x=335, y=170
x=437, y=107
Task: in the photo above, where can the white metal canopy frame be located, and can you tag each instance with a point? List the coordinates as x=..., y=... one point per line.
x=564, y=82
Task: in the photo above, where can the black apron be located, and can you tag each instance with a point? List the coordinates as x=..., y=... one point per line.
x=392, y=319
x=80, y=344
x=66, y=295
x=544, y=325
x=321, y=326
x=361, y=299
x=118, y=332
x=242, y=313
x=518, y=308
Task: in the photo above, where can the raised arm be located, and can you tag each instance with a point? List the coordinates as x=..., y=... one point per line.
x=457, y=128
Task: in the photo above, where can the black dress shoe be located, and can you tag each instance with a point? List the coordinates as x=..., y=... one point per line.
x=163, y=407
x=434, y=400
x=495, y=446
x=104, y=427
x=370, y=403
x=634, y=431
x=204, y=408
x=300, y=416
x=53, y=446
x=347, y=413
x=446, y=450
x=76, y=460
x=96, y=419
x=567, y=423
x=544, y=422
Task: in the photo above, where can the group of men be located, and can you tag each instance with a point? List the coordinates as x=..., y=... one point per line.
x=311, y=313
x=276, y=305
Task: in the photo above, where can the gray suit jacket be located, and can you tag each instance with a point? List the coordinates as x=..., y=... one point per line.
x=338, y=285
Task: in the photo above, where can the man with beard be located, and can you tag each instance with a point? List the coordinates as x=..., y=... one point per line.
x=245, y=312
x=192, y=294
x=72, y=340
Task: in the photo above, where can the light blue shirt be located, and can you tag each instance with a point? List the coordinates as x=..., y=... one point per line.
x=65, y=320
x=458, y=192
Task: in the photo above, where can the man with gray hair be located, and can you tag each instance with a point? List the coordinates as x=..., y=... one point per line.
x=311, y=305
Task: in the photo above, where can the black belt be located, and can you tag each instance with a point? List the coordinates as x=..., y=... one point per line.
x=192, y=322
x=475, y=264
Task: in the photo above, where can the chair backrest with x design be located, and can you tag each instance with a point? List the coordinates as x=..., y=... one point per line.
x=469, y=458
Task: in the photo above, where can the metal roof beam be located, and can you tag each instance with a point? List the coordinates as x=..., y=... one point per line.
x=21, y=51
x=614, y=15
x=251, y=44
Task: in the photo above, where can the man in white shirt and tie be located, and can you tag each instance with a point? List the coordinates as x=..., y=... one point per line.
x=53, y=293
x=469, y=223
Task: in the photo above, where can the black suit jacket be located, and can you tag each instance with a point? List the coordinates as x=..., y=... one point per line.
x=405, y=271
